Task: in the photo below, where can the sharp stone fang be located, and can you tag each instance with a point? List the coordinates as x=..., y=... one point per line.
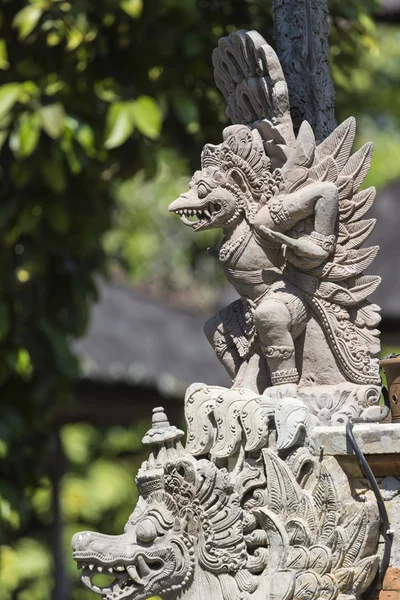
x=110, y=569
x=207, y=213
x=119, y=568
x=144, y=569
x=100, y=569
x=91, y=567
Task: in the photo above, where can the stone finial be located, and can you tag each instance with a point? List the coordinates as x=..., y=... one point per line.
x=161, y=432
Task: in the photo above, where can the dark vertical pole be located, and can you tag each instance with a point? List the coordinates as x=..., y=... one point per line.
x=56, y=471
x=301, y=33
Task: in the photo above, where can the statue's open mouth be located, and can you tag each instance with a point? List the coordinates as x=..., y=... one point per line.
x=129, y=579
x=198, y=217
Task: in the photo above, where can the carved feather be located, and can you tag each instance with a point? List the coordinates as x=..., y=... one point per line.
x=357, y=539
x=358, y=165
x=324, y=171
x=362, y=203
x=302, y=154
x=337, y=542
x=364, y=573
x=328, y=589
x=343, y=579
x=367, y=315
x=353, y=235
x=364, y=286
x=326, y=501
x=338, y=144
x=345, y=188
x=356, y=262
x=286, y=491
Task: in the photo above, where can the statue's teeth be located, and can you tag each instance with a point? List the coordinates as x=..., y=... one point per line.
x=91, y=567
x=110, y=569
x=207, y=213
x=143, y=567
x=119, y=568
x=133, y=574
x=100, y=569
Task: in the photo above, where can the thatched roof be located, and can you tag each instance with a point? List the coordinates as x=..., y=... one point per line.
x=140, y=341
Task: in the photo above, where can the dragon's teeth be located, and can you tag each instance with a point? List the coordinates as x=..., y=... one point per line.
x=119, y=568
x=91, y=567
x=100, y=569
x=207, y=213
x=110, y=569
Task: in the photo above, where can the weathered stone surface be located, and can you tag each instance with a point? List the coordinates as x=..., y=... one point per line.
x=373, y=438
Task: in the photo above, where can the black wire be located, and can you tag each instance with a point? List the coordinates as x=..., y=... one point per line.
x=387, y=532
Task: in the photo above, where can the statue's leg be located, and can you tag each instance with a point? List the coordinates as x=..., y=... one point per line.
x=278, y=323
x=223, y=346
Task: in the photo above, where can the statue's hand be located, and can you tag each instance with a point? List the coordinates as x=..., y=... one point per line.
x=302, y=246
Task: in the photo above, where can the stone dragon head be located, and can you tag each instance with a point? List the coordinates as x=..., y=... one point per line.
x=234, y=180
x=181, y=502
x=202, y=531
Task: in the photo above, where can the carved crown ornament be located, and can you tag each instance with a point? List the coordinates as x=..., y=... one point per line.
x=248, y=510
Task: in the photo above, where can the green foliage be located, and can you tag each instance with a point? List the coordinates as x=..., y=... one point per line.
x=153, y=247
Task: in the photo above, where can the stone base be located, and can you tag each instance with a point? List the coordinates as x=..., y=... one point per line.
x=380, y=444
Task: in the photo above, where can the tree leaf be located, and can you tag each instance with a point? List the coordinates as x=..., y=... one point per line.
x=52, y=118
x=85, y=137
x=29, y=132
x=26, y=20
x=185, y=108
x=119, y=124
x=3, y=137
x=9, y=93
x=4, y=64
x=133, y=8
x=147, y=116
x=53, y=173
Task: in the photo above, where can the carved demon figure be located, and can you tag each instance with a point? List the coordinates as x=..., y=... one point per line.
x=269, y=529
x=291, y=214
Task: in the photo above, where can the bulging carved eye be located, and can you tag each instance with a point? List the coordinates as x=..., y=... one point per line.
x=202, y=190
x=146, y=531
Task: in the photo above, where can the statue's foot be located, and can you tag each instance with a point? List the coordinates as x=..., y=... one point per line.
x=284, y=390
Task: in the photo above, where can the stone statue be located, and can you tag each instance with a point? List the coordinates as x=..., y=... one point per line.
x=292, y=216
x=270, y=528
x=250, y=509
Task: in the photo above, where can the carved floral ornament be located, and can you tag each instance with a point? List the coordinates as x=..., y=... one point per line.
x=248, y=510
